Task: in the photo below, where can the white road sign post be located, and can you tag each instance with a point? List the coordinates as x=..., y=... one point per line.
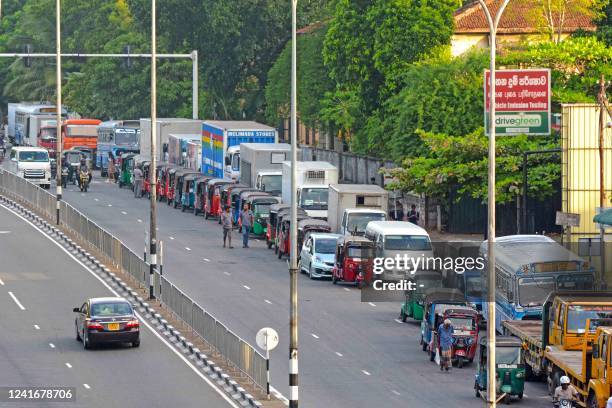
x=267, y=339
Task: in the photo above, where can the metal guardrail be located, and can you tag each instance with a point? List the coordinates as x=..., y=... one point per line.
x=235, y=351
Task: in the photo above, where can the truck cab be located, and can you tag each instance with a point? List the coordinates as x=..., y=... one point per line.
x=232, y=162
x=270, y=181
x=313, y=199
x=355, y=220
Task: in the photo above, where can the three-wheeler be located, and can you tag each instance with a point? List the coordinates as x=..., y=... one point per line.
x=126, y=172
x=168, y=183
x=146, y=181
x=226, y=191
x=200, y=194
x=243, y=199
x=281, y=214
x=212, y=207
x=437, y=298
x=188, y=194
x=179, y=185
x=234, y=201
x=308, y=226
x=283, y=233
x=509, y=369
x=413, y=304
x=272, y=220
x=260, y=205
x=354, y=260
x=160, y=187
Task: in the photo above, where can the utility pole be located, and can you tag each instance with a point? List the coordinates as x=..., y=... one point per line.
x=602, y=193
x=293, y=312
x=491, y=368
x=58, y=103
x=153, y=167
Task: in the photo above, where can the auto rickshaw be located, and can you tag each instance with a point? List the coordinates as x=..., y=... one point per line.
x=283, y=233
x=433, y=302
x=244, y=198
x=162, y=169
x=354, y=260
x=310, y=225
x=178, y=185
x=146, y=183
x=73, y=158
x=464, y=320
x=169, y=185
x=260, y=205
x=234, y=197
x=272, y=219
x=226, y=191
x=126, y=174
x=212, y=206
x=509, y=367
x=200, y=194
x=188, y=195
x=280, y=215
x=413, y=305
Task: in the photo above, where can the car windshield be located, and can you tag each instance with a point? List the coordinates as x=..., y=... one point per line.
x=407, y=242
x=314, y=198
x=507, y=355
x=533, y=291
x=461, y=323
x=577, y=316
x=236, y=162
x=262, y=208
x=111, y=309
x=48, y=134
x=126, y=137
x=73, y=158
x=33, y=156
x=360, y=252
x=473, y=286
x=271, y=182
x=358, y=222
x=325, y=246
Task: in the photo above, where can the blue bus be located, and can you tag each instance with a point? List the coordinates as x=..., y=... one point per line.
x=116, y=136
x=527, y=269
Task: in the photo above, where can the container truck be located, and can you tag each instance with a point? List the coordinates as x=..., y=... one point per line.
x=194, y=154
x=165, y=127
x=221, y=145
x=261, y=165
x=80, y=133
x=24, y=134
x=352, y=206
x=313, y=180
x=177, y=147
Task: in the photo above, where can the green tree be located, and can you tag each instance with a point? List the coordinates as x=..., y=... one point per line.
x=604, y=25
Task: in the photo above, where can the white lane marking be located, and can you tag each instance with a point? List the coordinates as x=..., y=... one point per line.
x=110, y=205
x=314, y=335
x=371, y=304
x=1, y=282
x=187, y=248
x=246, y=287
x=16, y=300
x=123, y=212
x=139, y=220
x=366, y=372
x=68, y=365
x=398, y=321
x=206, y=259
x=37, y=327
x=95, y=199
x=172, y=238
x=267, y=301
x=227, y=273
x=147, y=325
x=5, y=232
x=86, y=386
x=395, y=392
x=82, y=194
x=347, y=289
x=52, y=345
x=339, y=354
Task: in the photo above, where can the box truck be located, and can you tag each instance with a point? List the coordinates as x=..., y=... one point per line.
x=313, y=180
x=352, y=206
x=24, y=134
x=165, y=127
x=261, y=165
x=221, y=145
x=177, y=147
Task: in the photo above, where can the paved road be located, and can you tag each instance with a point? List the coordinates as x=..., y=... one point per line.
x=352, y=354
x=38, y=346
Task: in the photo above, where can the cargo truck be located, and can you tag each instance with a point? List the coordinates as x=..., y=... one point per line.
x=23, y=132
x=165, y=127
x=352, y=206
x=261, y=165
x=221, y=145
x=80, y=133
x=177, y=147
x=313, y=180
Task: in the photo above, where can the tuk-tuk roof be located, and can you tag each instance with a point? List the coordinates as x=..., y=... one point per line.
x=219, y=180
x=172, y=170
x=203, y=179
x=354, y=239
x=503, y=341
x=283, y=212
x=443, y=295
x=192, y=176
x=458, y=309
x=185, y=172
x=247, y=194
x=313, y=222
x=238, y=190
x=128, y=156
x=285, y=216
x=265, y=199
x=278, y=207
x=233, y=186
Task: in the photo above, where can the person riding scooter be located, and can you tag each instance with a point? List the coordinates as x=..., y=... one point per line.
x=565, y=394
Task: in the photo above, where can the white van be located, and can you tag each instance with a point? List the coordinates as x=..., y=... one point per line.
x=31, y=163
x=398, y=238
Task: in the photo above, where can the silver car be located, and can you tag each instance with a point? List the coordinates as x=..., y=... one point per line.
x=318, y=255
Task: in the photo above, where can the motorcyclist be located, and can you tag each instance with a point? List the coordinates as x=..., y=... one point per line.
x=565, y=391
x=83, y=168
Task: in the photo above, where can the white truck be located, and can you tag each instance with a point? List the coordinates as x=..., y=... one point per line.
x=165, y=127
x=32, y=164
x=313, y=180
x=352, y=206
x=261, y=165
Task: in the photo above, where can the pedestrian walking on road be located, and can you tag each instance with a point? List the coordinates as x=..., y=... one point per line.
x=111, y=168
x=246, y=220
x=445, y=334
x=138, y=178
x=226, y=222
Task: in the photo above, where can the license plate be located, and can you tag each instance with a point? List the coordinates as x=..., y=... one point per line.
x=460, y=353
x=113, y=326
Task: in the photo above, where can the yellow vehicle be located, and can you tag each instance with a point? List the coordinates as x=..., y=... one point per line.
x=562, y=328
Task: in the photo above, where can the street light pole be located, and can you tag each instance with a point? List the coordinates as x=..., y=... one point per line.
x=491, y=380
x=153, y=166
x=58, y=103
x=293, y=313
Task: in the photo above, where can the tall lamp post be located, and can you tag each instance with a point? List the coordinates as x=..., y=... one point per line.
x=153, y=167
x=491, y=383
x=58, y=103
x=293, y=301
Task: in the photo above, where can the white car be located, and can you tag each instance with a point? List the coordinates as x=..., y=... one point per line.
x=31, y=163
x=318, y=255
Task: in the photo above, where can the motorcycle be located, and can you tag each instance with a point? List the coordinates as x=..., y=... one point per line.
x=564, y=403
x=84, y=180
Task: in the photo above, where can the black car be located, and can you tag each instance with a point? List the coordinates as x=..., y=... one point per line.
x=106, y=320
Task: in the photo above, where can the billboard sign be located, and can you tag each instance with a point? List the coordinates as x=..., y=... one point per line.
x=522, y=102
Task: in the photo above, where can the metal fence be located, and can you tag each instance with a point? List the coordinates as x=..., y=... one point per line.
x=230, y=347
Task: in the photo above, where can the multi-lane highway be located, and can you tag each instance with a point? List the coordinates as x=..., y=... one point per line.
x=352, y=354
x=40, y=284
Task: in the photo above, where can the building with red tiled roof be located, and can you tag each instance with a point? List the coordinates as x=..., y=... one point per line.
x=517, y=24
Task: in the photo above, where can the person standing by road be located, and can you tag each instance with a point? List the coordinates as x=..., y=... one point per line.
x=445, y=334
x=138, y=177
x=111, y=168
x=226, y=222
x=246, y=219
x=413, y=215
